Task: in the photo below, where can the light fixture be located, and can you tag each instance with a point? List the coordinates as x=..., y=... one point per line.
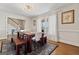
x=29, y=7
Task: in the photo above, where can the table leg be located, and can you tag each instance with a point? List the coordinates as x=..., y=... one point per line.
x=25, y=51
x=17, y=50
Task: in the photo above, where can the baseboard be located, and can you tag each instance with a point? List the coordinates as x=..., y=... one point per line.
x=52, y=37
x=69, y=42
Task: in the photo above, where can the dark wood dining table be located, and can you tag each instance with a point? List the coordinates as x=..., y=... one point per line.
x=21, y=42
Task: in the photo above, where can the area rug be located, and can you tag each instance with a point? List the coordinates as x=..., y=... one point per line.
x=47, y=49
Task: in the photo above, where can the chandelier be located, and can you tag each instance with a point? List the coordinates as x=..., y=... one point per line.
x=29, y=7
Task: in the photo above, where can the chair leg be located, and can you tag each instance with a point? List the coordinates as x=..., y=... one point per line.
x=25, y=51
x=17, y=50
x=11, y=40
x=1, y=46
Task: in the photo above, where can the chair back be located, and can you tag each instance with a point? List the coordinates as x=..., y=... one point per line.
x=38, y=36
x=20, y=35
x=25, y=36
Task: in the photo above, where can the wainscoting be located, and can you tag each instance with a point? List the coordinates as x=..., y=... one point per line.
x=69, y=37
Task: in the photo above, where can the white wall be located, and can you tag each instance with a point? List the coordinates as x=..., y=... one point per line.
x=69, y=33
x=28, y=24
x=52, y=29
x=34, y=25
x=3, y=22
x=37, y=27
x=2, y=26
x=38, y=23
x=9, y=29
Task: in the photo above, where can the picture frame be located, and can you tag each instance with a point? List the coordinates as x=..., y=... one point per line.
x=34, y=22
x=68, y=17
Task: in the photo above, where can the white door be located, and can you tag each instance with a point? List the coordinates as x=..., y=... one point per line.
x=52, y=32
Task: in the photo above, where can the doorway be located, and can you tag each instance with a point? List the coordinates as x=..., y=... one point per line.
x=13, y=26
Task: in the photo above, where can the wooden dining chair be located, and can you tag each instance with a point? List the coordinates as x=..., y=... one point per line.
x=25, y=37
x=18, y=34
x=43, y=39
x=21, y=36
x=29, y=43
x=1, y=45
x=37, y=41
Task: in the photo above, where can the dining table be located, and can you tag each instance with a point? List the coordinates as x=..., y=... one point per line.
x=26, y=43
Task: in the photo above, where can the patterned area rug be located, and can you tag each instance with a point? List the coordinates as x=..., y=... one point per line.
x=47, y=49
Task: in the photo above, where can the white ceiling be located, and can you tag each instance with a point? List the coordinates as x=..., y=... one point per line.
x=37, y=8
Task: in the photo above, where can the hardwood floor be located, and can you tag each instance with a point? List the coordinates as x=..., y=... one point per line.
x=65, y=49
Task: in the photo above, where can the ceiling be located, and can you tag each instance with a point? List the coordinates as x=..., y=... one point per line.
x=37, y=8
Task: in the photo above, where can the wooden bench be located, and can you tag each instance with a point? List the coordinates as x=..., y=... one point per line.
x=18, y=43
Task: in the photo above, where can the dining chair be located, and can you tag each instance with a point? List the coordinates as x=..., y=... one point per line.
x=1, y=45
x=40, y=38
x=18, y=34
x=29, y=42
x=21, y=36
x=37, y=40
x=25, y=37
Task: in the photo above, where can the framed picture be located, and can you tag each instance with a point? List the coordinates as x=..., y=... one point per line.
x=67, y=17
x=34, y=22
